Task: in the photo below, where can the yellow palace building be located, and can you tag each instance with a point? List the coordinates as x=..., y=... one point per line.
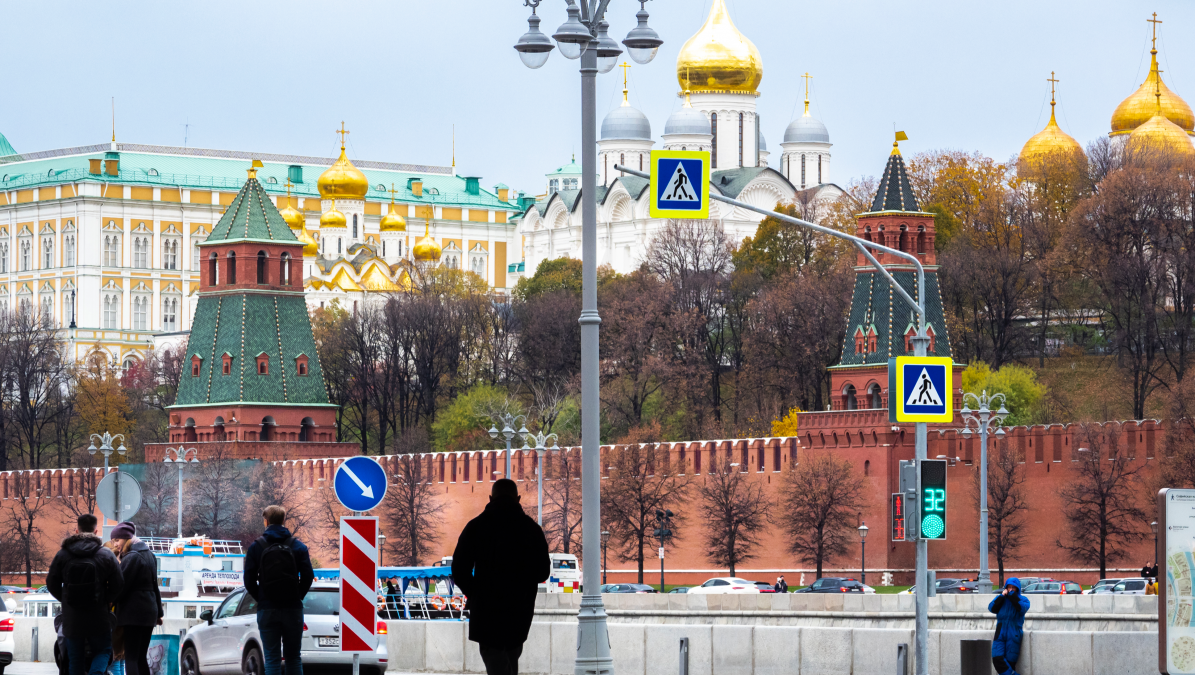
x=104, y=239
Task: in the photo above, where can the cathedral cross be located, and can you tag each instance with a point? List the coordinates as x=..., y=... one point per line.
x=1155, y=23
x=624, y=67
x=392, y=192
x=1052, y=80
x=343, y=132
x=807, y=77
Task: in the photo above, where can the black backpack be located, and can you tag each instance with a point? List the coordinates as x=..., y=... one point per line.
x=278, y=573
x=81, y=582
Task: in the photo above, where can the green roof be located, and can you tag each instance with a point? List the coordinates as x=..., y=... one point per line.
x=6, y=147
x=201, y=169
x=875, y=304
x=251, y=216
x=243, y=325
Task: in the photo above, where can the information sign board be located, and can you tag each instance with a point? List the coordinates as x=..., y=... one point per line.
x=1176, y=541
x=680, y=184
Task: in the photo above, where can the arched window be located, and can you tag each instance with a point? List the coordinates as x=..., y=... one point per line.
x=111, y=311
x=170, y=254
x=873, y=395
x=25, y=248
x=232, y=267
x=195, y=255
x=622, y=161
x=284, y=269
x=140, y=313
x=849, y=401
x=70, y=250
x=819, y=170
x=3, y=257
x=903, y=241
x=740, y=139
x=47, y=307
x=261, y=267
x=112, y=250
x=68, y=307
x=339, y=245
x=920, y=239
x=714, y=142
x=802, y=172
x=47, y=252
x=140, y=248
x=354, y=226
x=213, y=269
x=170, y=314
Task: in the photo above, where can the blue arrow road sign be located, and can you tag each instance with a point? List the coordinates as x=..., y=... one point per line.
x=360, y=484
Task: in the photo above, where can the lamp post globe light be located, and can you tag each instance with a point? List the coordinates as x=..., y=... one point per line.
x=540, y=449
x=583, y=36
x=863, y=552
x=983, y=420
x=106, y=448
x=508, y=433
x=180, y=458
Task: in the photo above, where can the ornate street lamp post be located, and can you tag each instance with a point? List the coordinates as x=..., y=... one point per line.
x=106, y=447
x=983, y=420
x=540, y=449
x=863, y=552
x=508, y=433
x=605, y=564
x=180, y=458
x=583, y=35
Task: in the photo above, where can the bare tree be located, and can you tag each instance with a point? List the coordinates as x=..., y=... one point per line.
x=38, y=377
x=326, y=512
x=216, y=495
x=270, y=483
x=1100, y=502
x=159, y=496
x=1007, y=503
x=822, y=496
x=22, y=513
x=735, y=510
x=562, y=500
x=413, y=511
x=84, y=481
x=642, y=479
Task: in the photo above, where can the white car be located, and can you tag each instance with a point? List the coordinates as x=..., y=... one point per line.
x=228, y=641
x=1132, y=586
x=1102, y=586
x=7, y=630
x=721, y=585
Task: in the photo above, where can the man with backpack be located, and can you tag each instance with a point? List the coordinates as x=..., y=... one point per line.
x=85, y=577
x=278, y=575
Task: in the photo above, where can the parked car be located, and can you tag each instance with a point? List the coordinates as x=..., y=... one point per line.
x=1053, y=587
x=1102, y=586
x=628, y=588
x=764, y=587
x=7, y=642
x=680, y=589
x=833, y=585
x=722, y=585
x=228, y=639
x=954, y=586
x=1131, y=586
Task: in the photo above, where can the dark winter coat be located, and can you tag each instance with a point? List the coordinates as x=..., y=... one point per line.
x=499, y=562
x=80, y=622
x=139, y=602
x=1010, y=622
x=272, y=534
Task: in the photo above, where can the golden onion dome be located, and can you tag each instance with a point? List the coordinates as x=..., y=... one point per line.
x=1142, y=105
x=392, y=222
x=310, y=245
x=342, y=180
x=1160, y=133
x=332, y=218
x=426, y=249
x=293, y=217
x=1049, y=141
x=719, y=58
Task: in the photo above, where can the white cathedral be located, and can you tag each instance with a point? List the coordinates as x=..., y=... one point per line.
x=719, y=71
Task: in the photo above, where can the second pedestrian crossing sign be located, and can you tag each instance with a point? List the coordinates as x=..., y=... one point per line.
x=919, y=389
x=680, y=184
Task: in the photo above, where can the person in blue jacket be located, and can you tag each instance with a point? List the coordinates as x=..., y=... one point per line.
x=1009, y=607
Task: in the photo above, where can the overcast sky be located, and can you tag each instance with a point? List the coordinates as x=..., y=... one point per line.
x=279, y=77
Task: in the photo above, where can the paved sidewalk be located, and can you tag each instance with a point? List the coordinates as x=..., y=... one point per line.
x=31, y=668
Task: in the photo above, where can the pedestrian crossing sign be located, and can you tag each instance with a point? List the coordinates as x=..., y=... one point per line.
x=920, y=389
x=680, y=184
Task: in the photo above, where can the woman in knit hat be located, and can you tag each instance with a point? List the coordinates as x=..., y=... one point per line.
x=139, y=605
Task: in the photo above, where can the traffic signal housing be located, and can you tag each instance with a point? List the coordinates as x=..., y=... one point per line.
x=931, y=502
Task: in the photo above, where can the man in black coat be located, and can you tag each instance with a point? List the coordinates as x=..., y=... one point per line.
x=85, y=577
x=499, y=562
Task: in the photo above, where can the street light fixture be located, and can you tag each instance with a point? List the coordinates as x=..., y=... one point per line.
x=608, y=50
x=534, y=47
x=508, y=433
x=1154, y=526
x=983, y=420
x=579, y=37
x=540, y=449
x=106, y=448
x=381, y=547
x=863, y=551
x=180, y=458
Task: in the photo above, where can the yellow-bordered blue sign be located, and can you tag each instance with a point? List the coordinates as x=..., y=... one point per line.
x=919, y=389
x=680, y=184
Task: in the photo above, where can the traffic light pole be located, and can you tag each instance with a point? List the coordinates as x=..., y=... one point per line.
x=920, y=345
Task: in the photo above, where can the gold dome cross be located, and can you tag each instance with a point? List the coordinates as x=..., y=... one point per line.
x=1155, y=23
x=343, y=132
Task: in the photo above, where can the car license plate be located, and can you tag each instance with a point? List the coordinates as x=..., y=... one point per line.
x=329, y=641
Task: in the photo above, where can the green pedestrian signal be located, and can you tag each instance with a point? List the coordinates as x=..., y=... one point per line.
x=931, y=489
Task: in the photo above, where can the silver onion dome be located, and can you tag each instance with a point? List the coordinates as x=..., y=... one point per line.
x=687, y=121
x=806, y=129
x=626, y=122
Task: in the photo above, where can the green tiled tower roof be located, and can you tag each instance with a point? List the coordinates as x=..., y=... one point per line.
x=246, y=323
x=895, y=192
x=251, y=217
x=876, y=303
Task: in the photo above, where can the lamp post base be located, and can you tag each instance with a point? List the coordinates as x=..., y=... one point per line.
x=593, y=638
x=984, y=585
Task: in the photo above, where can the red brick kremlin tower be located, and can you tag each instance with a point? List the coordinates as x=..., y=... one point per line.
x=251, y=375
